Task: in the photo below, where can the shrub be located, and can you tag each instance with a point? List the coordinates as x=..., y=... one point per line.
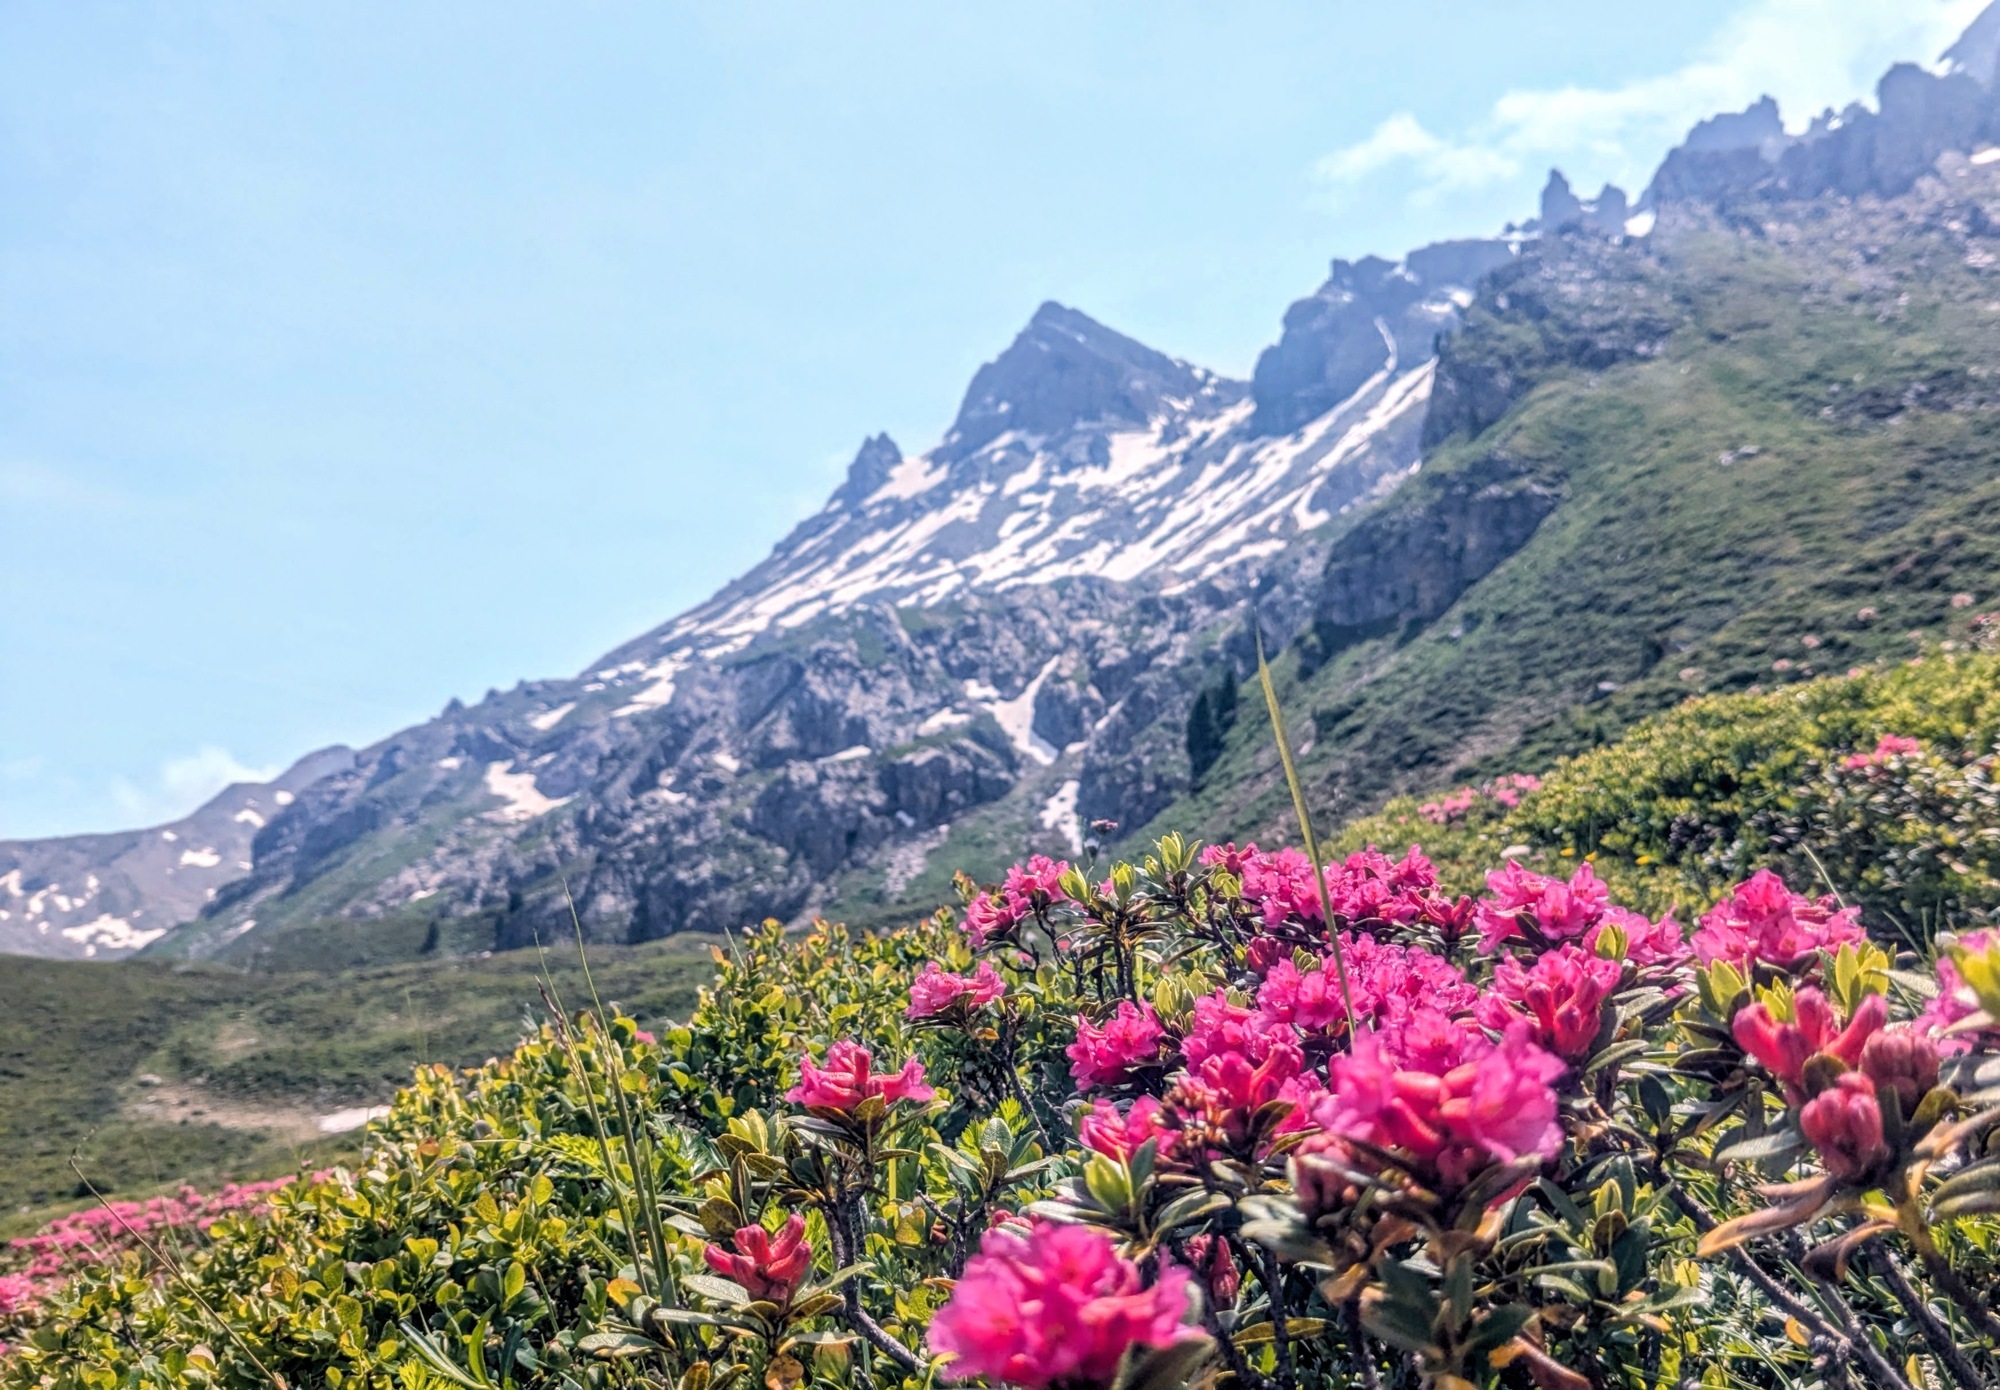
x=1220, y=1117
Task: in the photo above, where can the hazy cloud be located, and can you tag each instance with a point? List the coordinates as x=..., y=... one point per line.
x=1809, y=54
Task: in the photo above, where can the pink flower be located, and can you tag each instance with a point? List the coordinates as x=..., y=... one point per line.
x=1563, y=992
x=1230, y=858
x=934, y=990
x=1785, y=1048
x=770, y=1270
x=17, y=1294
x=848, y=1079
x=1890, y=746
x=1844, y=1122
x=1055, y=1307
x=1901, y=1060
x=1953, y=1000
x=1219, y=1026
x=1118, y=1137
x=1102, y=1056
x=1451, y=1118
x=1221, y=1099
x=1762, y=920
x=991, y=916
x=1037, y=882
x=1386, y=980
x=1646, y=942
x=1556, y=909
x=1215, y=1267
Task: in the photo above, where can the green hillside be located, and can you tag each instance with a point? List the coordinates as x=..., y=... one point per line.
x=1790, y=469
x=239, y=1067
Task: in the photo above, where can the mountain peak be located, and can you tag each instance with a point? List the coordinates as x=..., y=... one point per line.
x=1065, y=369
x=873, y=462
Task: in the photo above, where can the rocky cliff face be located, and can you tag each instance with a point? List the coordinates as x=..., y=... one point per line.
x=993, y=643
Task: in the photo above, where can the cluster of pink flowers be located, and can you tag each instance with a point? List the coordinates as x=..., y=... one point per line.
x=1763, y=921
x=848, y=1078
x=1386, y=980
x=769, y=1269
x=1504, y=791
x=1889, y=746
x=1103, y=1130
x=1365, y=887
x=1953, y=1001
x=1106, y=1055
x=1578, y=908
x=1445, y=1095
x=935, y=990
x=1815, y=1029
x=1562, y=994
x=1055, y=1305
x=1027, y=889
x=102, y=1234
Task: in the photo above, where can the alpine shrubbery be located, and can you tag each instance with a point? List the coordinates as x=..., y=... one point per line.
x=1219, y=1117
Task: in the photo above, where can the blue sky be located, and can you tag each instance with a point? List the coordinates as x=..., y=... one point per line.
x=357, y=356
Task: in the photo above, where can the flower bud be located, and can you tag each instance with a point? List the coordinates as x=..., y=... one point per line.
x=1901, y=1060
x=1844, y=1123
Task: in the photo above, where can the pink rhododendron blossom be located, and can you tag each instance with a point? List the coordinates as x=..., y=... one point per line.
x=991, y=916
x=1218, y=1099
x=1953, y=1000
x=848, y=1078
x=1764, y=921
x=1646, y=942
x=1785, y=1048
x=1104, y=1131
x=1844, y=1122
x=1901, y=1060
x=1451, y=1117
x=1449, y=807
x=1890, y=746
x=1038, y=882
x=1557, y=909
x=1216, y=1268
x=1219, y=1026
x=1230, y=858
x=1563, y=993
x=768, y=1268
x=1055, y=1306
x=1509, y=790
x=935, y=990
x=17, y=1294
x=1101, y=1056
x=1386, y=981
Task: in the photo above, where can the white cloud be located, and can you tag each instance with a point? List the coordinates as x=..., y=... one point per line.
x=183, y=784
x=1809, y=54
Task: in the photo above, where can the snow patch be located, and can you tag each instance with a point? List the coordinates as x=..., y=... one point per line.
x=248, y=817
x=727, y=763
x=283, y=798
x=112, y=934
x=1059, y=815
x=1017, y=717
x=944, y=719
x=658, y=693
x=200, y=858
x=524, y=800
x=911, y=477
x=1639, y=224
x=452, y=764
x=853, y=754
x=548, y=719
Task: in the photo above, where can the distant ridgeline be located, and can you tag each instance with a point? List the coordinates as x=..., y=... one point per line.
x=1487, y=505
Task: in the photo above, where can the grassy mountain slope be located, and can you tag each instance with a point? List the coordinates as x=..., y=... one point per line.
x=245, y=1063
x=1801, y=474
